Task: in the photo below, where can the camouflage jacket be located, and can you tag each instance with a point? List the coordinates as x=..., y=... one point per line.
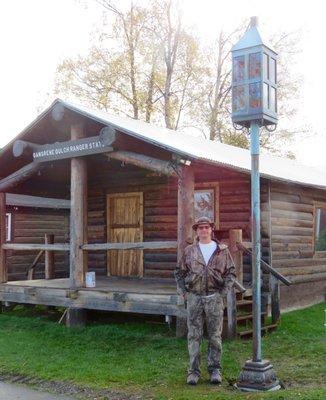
x=193, y=275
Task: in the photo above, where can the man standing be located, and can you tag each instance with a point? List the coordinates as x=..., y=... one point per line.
x=204, y=275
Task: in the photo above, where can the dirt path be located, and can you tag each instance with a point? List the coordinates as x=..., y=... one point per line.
x=11, y=391
x=17, y=387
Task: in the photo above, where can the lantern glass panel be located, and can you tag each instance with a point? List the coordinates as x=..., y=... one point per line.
x=266, y=95
x=238, y=69
x=273, y=105
x=239, y=98
x=254, y=65
x=272, y=68
x=266, y=66
x=254, y=95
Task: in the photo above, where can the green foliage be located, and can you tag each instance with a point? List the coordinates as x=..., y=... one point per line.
x=321, y=241
x=148, y=359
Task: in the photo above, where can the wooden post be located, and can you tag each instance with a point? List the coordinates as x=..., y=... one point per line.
x=78, y=215
x=49, y=258
x=186, y=186
x=3, y=265
x=231, y=308
x=275, y=299
x=274, y=284
x=235, y=235
x=76, y=317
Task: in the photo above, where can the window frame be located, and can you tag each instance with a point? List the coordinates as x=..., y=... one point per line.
x=8, y=226
x=216, y=188
x=317, y=204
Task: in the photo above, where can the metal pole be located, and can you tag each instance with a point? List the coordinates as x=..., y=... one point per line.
x=256, y=252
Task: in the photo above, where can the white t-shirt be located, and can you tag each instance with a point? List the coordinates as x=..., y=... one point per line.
x=207, y=249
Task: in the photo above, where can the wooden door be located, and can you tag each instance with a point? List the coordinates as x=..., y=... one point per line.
x=125, y=224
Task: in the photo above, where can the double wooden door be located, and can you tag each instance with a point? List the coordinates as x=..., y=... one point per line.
x=125, y=224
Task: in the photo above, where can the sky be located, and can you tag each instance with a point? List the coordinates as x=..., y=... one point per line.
x=36, y=35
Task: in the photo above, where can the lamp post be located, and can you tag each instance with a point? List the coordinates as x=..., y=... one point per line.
x=253, y=106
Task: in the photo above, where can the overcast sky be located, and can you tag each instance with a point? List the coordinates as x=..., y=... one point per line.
x=36, y=35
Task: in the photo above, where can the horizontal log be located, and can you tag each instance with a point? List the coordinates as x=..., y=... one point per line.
x=35, y=201
x=311, y=269
x=160, y=218
x=61, y=223
x=297, y=231
x=19, y=176
x=308, y=278
x=234, y=199
x=291, y=246
x=155, y=273
x=291, y=214
x=288, y=222
x=283, y=205
x=161, y=203
x=143, y=161
x=38, y=231
x=234, y=216
x=291, y=239
x=131, y=245
x=40, y=217
x=279, y=255
x=160, y=211
x=298, y=262
x=32, y=247
x=235, y=207
x=291, y=198
x=160, y=265
x=160, y=195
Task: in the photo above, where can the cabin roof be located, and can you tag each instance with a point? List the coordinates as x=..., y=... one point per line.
x=194, y=148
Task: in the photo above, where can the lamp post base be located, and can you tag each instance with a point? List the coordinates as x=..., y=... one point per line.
x=257, y=376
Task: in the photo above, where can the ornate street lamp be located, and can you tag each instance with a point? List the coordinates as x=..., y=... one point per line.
x=254, y=105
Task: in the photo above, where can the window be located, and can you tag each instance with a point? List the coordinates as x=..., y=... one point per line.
x=206, y=202
x=320, y=227
x=8, y=227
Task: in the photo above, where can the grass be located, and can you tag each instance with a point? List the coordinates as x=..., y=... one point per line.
x=147, y=359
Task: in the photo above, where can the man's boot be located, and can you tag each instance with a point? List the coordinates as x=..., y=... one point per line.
x=216, y=377
x=192, y=379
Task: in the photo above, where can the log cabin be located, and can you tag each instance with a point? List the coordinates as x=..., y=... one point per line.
x=84, y=191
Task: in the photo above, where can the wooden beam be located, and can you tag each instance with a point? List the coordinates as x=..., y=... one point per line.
x=49, y=258
x=19, y=176
x=33, y=247
x=30, y=271
x=231, y=309
x=131, y=246
x=3, y=264
x=78, y=214
x=143, y=161
x=13, y=199
x=186, y=188
x=61, y=150
x=235, y=235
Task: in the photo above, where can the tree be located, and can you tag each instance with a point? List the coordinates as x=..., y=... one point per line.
x=148, y=65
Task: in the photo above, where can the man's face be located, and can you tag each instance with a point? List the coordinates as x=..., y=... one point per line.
x=204, y=231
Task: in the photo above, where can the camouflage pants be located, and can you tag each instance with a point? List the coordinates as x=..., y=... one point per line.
x=199, y=309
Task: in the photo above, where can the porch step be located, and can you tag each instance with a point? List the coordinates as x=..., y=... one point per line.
x=248, y=334
x=248, y=317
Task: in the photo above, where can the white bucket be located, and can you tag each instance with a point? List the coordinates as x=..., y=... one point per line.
x=90, y=279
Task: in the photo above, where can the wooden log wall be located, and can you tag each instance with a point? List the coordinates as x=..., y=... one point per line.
x=292, y=230
x=29, y=226
x=160, y=214
x=160, y=211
